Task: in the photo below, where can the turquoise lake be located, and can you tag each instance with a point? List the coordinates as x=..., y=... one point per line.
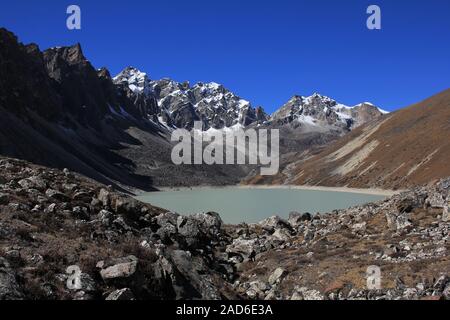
x=236, y=205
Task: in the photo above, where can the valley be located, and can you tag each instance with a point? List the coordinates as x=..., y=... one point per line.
x=117, y=130
x=357, y=187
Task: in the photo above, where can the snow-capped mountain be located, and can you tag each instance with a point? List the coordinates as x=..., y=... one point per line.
x=403, y=149
x=181, y=104
x=318, y=112
x=58, y=110
x=137, y=81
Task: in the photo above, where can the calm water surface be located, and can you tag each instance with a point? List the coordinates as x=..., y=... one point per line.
x=236, y=205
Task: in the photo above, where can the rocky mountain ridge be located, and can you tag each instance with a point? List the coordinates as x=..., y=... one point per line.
x=181, y=105
x=318, y=112
x=218, y=108
x=59, y=111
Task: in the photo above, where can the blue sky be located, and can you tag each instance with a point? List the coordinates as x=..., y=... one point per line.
x=264, y=50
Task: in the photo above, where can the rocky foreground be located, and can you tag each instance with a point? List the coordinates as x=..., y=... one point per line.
x=51, y=220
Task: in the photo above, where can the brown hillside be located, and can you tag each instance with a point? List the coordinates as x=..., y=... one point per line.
x=408, y=147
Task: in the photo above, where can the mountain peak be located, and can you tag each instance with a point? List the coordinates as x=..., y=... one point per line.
x=325, y=112
x=405, y=150
x=104, y=73
x=369, y=105
x=72, y=54
x=75, y=53
x=317, y=97
x=131, y=71
x=7, y=36
x=212, y=86
x=136, y=80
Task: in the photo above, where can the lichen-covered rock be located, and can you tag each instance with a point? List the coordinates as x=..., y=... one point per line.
x=277, y=276
x=274, y=222
x=210, y=222
x=245, y=248
x=296, y=219
x=118, y=268
x=33, y=182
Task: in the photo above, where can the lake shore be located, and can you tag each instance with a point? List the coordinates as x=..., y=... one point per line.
x=373, y=191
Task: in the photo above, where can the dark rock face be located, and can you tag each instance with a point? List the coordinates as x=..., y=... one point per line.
x=90, y=95
x=24, y=83
x=59, y=111
x=78, y=84
x=188, y=271
x=183, y=115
